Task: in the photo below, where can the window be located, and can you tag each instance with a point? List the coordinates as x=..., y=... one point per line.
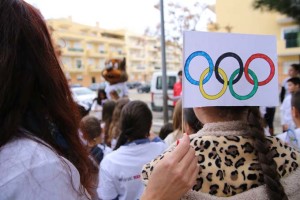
x=78, y=64
x=102, y=64
x=101, y=48
x=91, y=61
x=79, y=78
x=291, y=35
x=140, y=67
x=90, y=46
x=171, y=80
x=77, y=45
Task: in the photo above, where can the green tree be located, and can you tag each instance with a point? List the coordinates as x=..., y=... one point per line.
x=290, y=8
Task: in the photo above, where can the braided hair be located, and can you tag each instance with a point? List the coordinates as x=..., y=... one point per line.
x=265, y=157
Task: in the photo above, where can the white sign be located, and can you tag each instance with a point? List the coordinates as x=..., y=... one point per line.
x=222, y=69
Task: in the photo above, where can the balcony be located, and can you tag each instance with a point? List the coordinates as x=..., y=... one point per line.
x=136, y=46
x=285, y=48
x=95, y=69
x=76, y=69
x=95, y=54
x=72, y=51
x=118, y=54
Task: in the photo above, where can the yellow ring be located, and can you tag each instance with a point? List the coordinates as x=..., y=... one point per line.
x=213, y=97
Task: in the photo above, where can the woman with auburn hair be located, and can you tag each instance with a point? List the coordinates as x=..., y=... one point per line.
x=38, y=117
x=41, y=156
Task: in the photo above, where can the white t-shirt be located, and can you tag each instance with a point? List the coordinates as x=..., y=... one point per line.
x=30, y=170
x=120, y=171
x=286, y=113
x=96, y=110
x=120, y=88
x=284, y=137
x=173, y=137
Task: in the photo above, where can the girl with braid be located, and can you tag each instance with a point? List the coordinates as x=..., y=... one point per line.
x=237, y=160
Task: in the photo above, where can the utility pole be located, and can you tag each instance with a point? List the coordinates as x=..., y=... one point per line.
x=163, y=60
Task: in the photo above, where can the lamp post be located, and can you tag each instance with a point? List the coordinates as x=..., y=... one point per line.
x=163, y=60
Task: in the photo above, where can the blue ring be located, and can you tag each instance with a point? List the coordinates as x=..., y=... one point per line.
x=187, y=64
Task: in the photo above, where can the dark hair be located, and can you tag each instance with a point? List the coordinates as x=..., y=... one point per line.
x=136, y=121
x=90, y=126
x=265, y=156
x=82, y=110
x=190, y=118
x=296, y=67
x=98, y=98
x=34, y=92
x=165, y=130
x=296, y=100
x=179, y=73
x=107, y=112
x=294, y=80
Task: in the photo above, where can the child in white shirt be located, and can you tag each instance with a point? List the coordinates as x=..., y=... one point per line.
x=292, y=137
x=286, y=117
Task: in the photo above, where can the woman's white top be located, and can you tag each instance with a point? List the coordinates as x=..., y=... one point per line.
x=31, y=170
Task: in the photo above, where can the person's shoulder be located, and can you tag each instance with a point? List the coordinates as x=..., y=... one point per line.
x=160, y=145
x=23, y=149
x=111, y=157
x=24, y=156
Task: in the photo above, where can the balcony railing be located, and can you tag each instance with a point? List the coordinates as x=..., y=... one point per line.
x=75, y=49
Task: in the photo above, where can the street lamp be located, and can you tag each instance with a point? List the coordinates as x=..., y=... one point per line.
x=163, y=60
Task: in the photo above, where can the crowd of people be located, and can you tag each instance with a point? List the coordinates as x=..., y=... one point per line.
x=51, y=148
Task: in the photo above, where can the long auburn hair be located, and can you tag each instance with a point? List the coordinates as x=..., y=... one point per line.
x=34, y=92
x=275, y=189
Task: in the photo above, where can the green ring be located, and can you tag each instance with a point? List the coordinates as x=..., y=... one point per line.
x=248, y=96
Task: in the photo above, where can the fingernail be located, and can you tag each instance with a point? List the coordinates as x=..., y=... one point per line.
x=177, y=142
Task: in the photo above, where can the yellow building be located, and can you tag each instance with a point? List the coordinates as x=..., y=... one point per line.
x=240, y=17
x=86, y=48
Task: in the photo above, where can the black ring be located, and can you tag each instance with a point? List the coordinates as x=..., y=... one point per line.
x=225, y=55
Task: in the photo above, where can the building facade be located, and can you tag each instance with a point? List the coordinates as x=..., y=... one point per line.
x=240, y=17
x=85, y=50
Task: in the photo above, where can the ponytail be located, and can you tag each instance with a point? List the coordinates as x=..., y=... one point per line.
x=265, y=158
x=123, y=139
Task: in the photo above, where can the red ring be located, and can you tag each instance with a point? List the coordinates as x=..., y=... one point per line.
x=271, y=64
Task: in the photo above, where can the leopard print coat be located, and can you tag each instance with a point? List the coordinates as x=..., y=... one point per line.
x=229, y=164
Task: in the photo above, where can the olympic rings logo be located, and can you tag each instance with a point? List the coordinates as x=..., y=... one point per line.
x=234, y=77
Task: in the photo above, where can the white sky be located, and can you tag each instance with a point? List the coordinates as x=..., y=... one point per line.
x=134, y=15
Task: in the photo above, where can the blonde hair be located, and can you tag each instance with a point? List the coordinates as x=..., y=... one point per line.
x=177, y=116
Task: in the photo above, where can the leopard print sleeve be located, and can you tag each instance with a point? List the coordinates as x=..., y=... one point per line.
x=286, y=157
x=148, y=168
